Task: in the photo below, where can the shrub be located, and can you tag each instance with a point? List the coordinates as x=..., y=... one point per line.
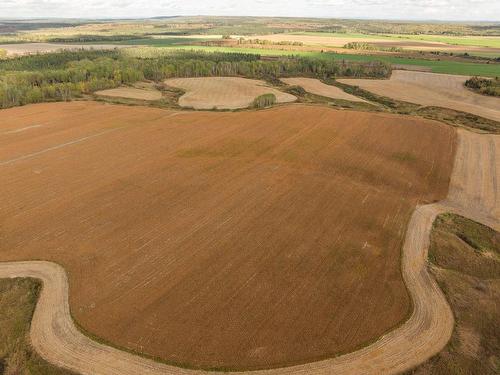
x=484, y=86
x=264, y=101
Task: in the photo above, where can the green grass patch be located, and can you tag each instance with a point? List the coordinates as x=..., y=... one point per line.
x=480, y=237
x=18, y=298
x=470, y=279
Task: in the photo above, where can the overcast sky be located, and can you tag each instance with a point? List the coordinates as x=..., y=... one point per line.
x=385, y=9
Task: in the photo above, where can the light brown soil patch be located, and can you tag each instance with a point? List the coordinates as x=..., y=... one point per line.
x=31, y=48
x=332, y=41
x=336, y=41
x=315, y=86
x=223, y=92
x=240, y=240
x=431, y=89
x=131, y=93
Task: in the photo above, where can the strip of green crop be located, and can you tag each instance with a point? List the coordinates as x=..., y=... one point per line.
x=436, y=66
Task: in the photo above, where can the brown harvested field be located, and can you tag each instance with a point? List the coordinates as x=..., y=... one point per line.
x=315, y=86
x=234, y=240
x=223, y=92
x=33, y=48
x=131, y=93
x=432, y=89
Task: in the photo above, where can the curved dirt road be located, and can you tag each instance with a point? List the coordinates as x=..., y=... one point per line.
x=473, y=193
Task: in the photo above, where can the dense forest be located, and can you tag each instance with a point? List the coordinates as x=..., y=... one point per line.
x=66, y=75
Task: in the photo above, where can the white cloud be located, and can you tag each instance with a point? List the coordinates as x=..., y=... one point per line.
x=388, y=9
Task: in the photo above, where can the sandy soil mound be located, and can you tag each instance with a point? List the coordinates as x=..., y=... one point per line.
x=188, y=234
x=431, y=89
x=223, y=92
x=131, y=93
x=315, y=86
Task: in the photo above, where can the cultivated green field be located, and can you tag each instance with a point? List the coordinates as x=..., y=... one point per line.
x=448, y=67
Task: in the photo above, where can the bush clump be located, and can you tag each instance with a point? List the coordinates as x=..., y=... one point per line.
x=484, y=86
x=264, y=101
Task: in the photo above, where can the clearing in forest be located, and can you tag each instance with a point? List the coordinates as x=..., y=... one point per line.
x=223, y=92
x=222, y=240
x=131, y=93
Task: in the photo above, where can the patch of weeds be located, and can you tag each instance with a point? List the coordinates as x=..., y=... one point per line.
x=457, y=118
x=18, y=298
x=404, y=157
x=471, y=283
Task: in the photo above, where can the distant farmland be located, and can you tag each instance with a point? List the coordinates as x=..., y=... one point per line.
x=436, y=66
x=221, y=240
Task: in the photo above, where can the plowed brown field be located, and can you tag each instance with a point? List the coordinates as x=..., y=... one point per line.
x=224, y=92
x=236, y=240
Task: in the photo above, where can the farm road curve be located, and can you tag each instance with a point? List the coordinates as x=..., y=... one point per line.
x=473, y=193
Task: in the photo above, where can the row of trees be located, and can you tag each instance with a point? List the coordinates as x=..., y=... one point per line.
x=66, y=75
x=370, y=47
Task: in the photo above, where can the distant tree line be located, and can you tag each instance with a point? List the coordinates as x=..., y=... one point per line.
x=370, y=47
x=93, y=38
x=70, y=74
x=269, y=42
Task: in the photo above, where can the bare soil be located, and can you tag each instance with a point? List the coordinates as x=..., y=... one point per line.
x=223, y=92
x=315, y=86
x=431, y=89
x=131, y=93
x=222, y=240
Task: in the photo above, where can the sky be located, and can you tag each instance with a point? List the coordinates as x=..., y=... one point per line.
x=474, y=10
